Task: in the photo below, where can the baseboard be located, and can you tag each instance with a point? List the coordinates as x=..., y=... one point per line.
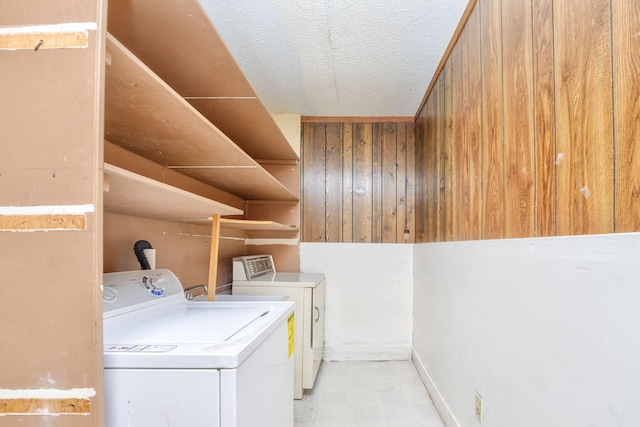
x=345, y=353
x=439, y=402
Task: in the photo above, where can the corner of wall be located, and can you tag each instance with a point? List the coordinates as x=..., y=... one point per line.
x=289, y=124
x=446, y=414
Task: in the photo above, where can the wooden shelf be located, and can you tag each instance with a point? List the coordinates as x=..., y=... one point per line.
x=132, y=194
x=146, y=116
x=177, y=40
x=251, y=225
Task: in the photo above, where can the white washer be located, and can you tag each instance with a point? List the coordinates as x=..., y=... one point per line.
x=256, y=275
x=172, y=362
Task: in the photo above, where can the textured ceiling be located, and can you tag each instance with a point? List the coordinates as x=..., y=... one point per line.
x=338, y=57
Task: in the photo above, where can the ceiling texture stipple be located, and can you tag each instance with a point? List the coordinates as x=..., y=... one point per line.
x=338, y=58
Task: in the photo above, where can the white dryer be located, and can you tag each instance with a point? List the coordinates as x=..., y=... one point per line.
x=172, y=362
x=256, y=275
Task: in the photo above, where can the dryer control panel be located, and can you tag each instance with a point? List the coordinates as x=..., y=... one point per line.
x=252, y=267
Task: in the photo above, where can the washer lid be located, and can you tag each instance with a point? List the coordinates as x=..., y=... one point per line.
x=204, y=324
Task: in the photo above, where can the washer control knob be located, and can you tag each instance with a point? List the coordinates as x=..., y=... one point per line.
x=152, y=287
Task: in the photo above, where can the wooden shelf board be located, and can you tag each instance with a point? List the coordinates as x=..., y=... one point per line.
x=252, y=225
x=225, y=113
x=177, y=40
x=132, y=194
x=146, y=116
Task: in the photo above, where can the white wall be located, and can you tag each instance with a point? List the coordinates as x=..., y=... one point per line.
x=369, y=298
x=547, y=330
x=290, y=127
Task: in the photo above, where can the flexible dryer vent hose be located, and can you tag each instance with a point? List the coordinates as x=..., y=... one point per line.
x=138, y=249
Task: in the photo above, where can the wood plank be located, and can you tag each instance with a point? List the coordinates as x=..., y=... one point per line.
x=389, y=183
x=314, y=182
x=544, y=118
x=362, y=182
x=124, y=159
x=411, y=183
x=137, y=195
x=347, y=183
x=457, y=143
x=582, y=42
x=626, y=68
x=465, y=140
x=441, y=149
x=256, y=225
x=376, y=175
x=213, y=258
x=448, y=152
x=401, y=182
x=224, y=113
x=430, y=171
x=519, y=209
x=475, y=142
x=333, y=168
x=421, y=176
x=492, y=120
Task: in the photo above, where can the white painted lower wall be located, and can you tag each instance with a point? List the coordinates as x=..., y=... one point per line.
x=546, y=330
x=369, y=298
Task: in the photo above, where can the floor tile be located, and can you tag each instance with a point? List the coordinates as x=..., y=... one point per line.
x=371, y=394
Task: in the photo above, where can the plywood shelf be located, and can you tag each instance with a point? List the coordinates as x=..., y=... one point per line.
x=251, y=225
x=177, y=40
x=132, y=194
x=146, y=116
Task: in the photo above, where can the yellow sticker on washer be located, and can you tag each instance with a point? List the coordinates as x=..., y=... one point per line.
x=291, y=329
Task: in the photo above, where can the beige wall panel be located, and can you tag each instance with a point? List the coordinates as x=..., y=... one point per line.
x=51, y=144
x=181, y=248
x=44, y=12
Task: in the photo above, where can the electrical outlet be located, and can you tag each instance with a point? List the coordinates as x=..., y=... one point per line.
x=479, y=414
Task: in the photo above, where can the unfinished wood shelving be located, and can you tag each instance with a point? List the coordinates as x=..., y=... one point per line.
x=175, y=96
x=251, y=225
x=132, y=194
x=146, y=116
x=179, y=43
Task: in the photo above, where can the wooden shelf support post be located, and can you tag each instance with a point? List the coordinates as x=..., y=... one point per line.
x=213, y=260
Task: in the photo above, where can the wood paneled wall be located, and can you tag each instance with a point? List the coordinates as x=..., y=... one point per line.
x=532, y=127
x=357, y=182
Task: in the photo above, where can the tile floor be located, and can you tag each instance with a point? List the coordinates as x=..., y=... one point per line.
x=367, y=394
